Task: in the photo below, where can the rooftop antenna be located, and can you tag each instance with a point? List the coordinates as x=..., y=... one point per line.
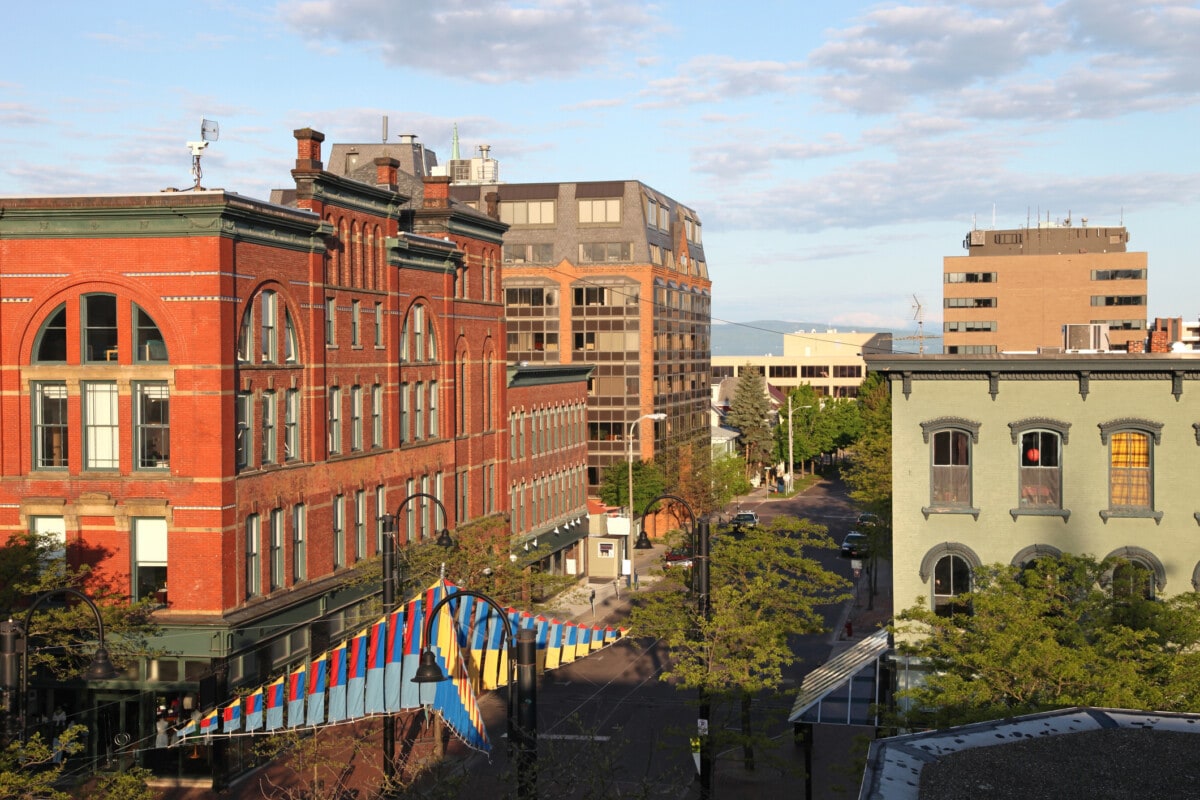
x=919, y=316
x=210, y=131
x=385, y=123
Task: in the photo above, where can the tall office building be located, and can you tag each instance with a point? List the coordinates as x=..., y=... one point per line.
x=1016, y=289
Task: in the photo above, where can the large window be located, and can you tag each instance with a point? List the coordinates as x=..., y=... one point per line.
x=52, y=339
x=101, y=428
x=597, y=252
x=950, y=470
x=1041, y=470
x=50, y=432
x=99, y=327
x=605, y=211
x=152, y=426
x=951, y=578
x=148, y=344
x=527, y=212
x=149, y=579
x=253, y=566
x=1129, y=471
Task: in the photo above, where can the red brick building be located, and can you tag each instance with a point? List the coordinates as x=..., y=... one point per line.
x=214, y=399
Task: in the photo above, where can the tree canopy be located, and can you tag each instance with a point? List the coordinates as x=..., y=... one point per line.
x=1059, y=633
x=648, y=482
x=869, y=474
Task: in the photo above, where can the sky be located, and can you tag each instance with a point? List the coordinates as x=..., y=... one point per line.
x=835, y=152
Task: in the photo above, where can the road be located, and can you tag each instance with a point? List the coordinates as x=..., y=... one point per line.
x=609, y=727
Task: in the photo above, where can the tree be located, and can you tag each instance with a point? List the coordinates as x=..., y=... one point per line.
x=65, y=633
x=869, y=475
x=648, y=483
x=29, y=770
x=764, y=588
x=812, y=427
x=1052, y=635
x=748, y=413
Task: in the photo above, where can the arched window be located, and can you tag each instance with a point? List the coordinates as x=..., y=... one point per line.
x=148, y=344
x=951, y=578
x=1132, y=580
x=417, y=320
x=51, y=343
x=99, y=323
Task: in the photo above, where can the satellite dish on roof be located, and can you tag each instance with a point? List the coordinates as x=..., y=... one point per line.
x=210, y=131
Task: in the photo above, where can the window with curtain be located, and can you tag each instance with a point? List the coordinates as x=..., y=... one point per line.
x=1130, y=478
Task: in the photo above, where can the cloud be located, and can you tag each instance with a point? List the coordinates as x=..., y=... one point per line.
x=714, y=79
x=17, y=114
x=748, y=154
x=587, y=105
x=1024, y=59
x=490, y=41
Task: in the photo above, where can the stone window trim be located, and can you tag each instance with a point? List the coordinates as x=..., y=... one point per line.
x=1022, y=426
x=940, y=551
x=1139, y=555
x=1139, y=425
x=932, y=426
x=1033, y=552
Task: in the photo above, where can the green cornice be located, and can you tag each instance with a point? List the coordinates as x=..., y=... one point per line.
x=334, y=190
x=431, y=255
x=166, y=215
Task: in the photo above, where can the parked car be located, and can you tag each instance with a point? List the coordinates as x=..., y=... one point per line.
x=866, y=519
x=855, y=545
x=678, y=557
x=744, y=519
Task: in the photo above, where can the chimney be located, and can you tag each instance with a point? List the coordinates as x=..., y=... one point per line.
x=1160, y=342
x=437, y=191
x=308, y=149
x=1137, y=345
x=385, y=172
x=492, y=200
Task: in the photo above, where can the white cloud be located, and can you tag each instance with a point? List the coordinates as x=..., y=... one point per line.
x=491, y=41
x=714, y=79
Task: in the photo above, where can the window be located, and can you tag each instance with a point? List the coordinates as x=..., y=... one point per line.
x=51, y=533
x=152, y=426
x=268, y=428
x=433, y=410
x=355, y=322
x=51, y=343
x=527, y=212
x=418, y=325
x=330, y=321
x=148, y=344
x=360, y=525
x=242, y=420
x=339, y=531
x=276, y=552
x=149, y=579
x=1129, y=475
x=291, y=424
x=1118, y=274
x=99, y=327
x=335, y=420
x=380, y=512
x=245, y=345
x=463, y=511
x=969, y=326
x=598, y=252
x=603, y=212
x=971, y=349
x=101, y=431
x=253, y=568
x=419, y=396
x=50, y=438
x=782, y=371
x=1132, y=580
x=379, y=325
x=950, y=473
x=951, y=578
x=404, y=402
x=299, y=542
x=377, y=416
x=970, y=302
x=269, y=342
x=1119, y=300
x=356, y=418
x=970, y=277
x=291, y=350
x=1041, y=470
x=847, y=370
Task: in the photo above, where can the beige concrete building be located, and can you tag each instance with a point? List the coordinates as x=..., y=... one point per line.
x=1006, y=458
x=831, y=361
x=1016, y=289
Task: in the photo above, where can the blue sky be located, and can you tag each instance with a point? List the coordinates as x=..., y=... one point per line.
x=834, y=151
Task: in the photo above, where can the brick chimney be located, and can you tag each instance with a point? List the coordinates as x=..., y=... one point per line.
x=1137, y=345
x=385, y=172
x=1160, y=342
x=308, y=149
x=437, y=191
x=492, y=202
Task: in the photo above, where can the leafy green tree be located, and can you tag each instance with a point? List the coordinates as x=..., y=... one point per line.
x=748, y=414
x=65, y=632
x=869, y=475
x=846, y=418
x=128, y=784
x=30, y=770
x=1054, y=635
x=764, y=588
x=813, y=431
x=648, y=482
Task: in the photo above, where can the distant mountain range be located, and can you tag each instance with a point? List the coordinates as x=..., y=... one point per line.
x=763, y=337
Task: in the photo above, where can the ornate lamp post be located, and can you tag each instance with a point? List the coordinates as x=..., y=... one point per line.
x=13, y=641
x=642, y=542
x=522, y=659
x=388, y=521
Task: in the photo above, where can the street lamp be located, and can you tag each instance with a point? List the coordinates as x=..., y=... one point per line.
x=699, y=539
x=388, y=523
x=522, y=659
x=629, y=456
x=12, y=641
x=791, y=442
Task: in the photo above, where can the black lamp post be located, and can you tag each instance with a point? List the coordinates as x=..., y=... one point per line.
x=522, y=721
x=699, y=539
x=13, y=641
x=388, y=521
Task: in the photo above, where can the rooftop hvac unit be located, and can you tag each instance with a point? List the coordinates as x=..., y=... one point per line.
x=1085, y=338
x=977, y=238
